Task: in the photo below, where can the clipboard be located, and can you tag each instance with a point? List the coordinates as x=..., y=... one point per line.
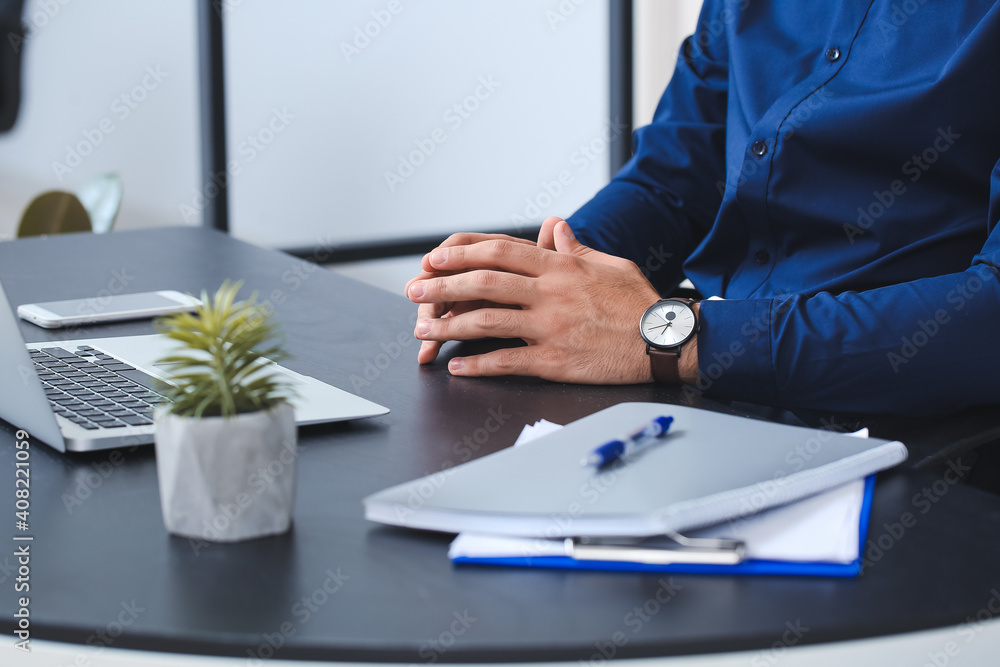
x=710, y=469
x=685, y=556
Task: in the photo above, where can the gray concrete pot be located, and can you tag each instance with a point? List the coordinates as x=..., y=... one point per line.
x=227, y=479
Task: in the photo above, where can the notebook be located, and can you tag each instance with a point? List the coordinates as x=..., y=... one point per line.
x=710, y=468
x=118, y=378
x=823, y=535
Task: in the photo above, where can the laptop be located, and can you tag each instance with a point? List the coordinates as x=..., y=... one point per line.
x=100, y=393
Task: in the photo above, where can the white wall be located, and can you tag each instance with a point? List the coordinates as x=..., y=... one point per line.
x=409, y=118
x=659, y=28
x=83, y=55
x=81, y=58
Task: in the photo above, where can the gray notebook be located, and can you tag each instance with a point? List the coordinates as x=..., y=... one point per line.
x=708, y=469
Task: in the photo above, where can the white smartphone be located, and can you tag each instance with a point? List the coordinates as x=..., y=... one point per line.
x=55, y=314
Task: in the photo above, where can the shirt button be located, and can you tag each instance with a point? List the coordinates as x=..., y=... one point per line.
x=833, y=54
x=762, y=257
x=759, y=148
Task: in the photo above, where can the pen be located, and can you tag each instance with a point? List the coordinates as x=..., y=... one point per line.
x=634, y=442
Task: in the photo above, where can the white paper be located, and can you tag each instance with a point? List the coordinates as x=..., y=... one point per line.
x=535, y=431
x=822, y=528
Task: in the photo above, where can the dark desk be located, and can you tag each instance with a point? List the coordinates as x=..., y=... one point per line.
x=339, y=588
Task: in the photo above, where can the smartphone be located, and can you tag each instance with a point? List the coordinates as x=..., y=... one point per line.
x=55, y=314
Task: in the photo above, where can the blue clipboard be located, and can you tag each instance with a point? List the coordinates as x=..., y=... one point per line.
x=749, y=566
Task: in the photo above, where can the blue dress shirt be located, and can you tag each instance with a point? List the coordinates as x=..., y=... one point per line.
x=832, y=170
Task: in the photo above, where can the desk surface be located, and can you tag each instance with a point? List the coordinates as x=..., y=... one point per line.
x=337, y=587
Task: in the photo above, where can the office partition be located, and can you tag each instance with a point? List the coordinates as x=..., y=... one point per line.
x=367, y=126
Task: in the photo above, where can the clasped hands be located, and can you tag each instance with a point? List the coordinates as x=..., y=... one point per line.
x=576, y=308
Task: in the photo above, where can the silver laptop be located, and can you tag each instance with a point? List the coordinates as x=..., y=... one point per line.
x=99, y=393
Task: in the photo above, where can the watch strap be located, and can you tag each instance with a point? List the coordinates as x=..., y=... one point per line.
x=666, y=365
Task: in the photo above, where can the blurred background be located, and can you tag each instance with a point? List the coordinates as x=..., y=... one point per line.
x=349, y=126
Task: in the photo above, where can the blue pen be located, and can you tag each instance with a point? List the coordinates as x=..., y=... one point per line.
x=633, y=443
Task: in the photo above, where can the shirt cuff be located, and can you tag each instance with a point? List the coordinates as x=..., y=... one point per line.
x=734, y=350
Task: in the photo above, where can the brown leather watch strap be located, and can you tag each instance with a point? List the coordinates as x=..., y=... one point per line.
x=665, y=365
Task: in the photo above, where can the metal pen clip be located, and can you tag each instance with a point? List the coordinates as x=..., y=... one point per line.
x=702, y=551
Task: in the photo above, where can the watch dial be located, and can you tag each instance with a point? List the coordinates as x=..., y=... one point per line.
x=668, y=324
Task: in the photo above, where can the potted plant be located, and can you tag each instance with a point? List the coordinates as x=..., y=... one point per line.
x=226, y=439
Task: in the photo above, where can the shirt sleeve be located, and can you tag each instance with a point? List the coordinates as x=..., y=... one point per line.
x=922, y=347
x=664, y=200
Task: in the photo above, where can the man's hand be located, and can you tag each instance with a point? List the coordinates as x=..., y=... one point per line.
x=577, y=309
x=433, y=310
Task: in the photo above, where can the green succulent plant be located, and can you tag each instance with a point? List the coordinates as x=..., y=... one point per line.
x=220, y=369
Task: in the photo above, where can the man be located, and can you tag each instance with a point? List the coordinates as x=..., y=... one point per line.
x=829, y=169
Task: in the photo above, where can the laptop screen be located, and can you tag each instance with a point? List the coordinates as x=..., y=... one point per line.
x=22, y=400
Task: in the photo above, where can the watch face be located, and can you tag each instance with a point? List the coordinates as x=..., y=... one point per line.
x=667, y=323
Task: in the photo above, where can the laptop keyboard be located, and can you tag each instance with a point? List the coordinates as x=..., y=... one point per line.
x=94, y=390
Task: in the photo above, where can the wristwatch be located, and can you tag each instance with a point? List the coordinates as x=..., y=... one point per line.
x=666, y=326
